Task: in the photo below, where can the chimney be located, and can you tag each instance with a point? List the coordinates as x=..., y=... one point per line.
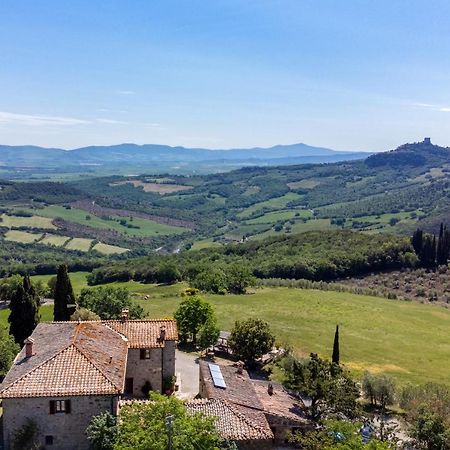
x=162, y=333
x=270, y=389
x=124, y=315
x=29, y=347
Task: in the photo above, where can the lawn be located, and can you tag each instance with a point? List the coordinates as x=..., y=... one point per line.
x=32, y=222
x=407, y=340
x=22, y=236
x=146, y=227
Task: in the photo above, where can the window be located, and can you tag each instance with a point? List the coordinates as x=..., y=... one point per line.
x=48, y=440
x=60, y=406
x=145, y=353
x=129, y=386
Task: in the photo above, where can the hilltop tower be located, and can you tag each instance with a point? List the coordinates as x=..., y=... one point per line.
x=427, y=140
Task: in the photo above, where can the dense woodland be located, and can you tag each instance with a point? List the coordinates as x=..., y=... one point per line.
x=313, y=255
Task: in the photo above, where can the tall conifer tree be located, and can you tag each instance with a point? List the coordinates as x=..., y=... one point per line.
x=63, y=295
x=24, y=307
x=335, y=357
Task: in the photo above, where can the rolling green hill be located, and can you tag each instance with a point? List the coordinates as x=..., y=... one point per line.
x=391, y=192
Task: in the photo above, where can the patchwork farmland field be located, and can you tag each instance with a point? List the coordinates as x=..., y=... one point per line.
x=66, y=242
x=22, y=236
x=79, y=244
x=32, y=222
x=109, y=249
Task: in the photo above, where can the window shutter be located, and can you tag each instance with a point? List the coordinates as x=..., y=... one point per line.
x=68, y=407
x=142, y=353
x=52, y=406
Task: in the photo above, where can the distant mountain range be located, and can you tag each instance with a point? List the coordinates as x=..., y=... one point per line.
x=149, y=157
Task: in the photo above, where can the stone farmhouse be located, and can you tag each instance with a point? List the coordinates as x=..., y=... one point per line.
x=68, y=372
x=267, y=406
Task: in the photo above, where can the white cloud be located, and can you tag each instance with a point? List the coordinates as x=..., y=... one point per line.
x=125, y=92
x=38, y=120
x=111, y=121
x=433, y=107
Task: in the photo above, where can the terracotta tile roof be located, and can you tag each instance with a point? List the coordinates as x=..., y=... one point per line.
x=239, y=388
x=70, y=358
x=232, y=423
x=144, y=333
x=280, y=403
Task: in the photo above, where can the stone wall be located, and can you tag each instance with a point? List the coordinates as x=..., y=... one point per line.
x=169, y=359
x=161, y=364
x=142, y=370
x=68, y=430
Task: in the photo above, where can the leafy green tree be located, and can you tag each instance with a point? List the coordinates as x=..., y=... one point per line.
x=108, y=302
x=8, y=351
x=337, y=435
x=250, y=339
x=51, y=283
x=191, y=315
x=430, y=432
x=8, y=287
x=24, y=308
x=239, y=278
x=63, y=295
x=330, y=387
x=209, y=333
x=143, y=427
x=335, y=356
x=211, y=280
x=379, y=389
x=168, y=273
x=102, y=431
x=84, y=314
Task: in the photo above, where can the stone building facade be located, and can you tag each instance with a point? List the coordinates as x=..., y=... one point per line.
x=68, y=372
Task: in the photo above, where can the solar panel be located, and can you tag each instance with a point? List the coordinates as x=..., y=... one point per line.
x=217, y=376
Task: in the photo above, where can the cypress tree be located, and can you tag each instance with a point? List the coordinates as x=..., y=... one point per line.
x=417, y=241
x=335, y=357
x=24, y=308
x=63, y=295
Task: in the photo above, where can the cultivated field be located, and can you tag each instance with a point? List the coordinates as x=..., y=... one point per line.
x=407, y=340
x=277, y=202
x=32, y=222
x=53, y=239
x=62, y=241
x=22, y=236
x=107, y=249
x=79, y=244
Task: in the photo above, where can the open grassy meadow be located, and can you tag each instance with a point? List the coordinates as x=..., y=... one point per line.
x=407, y=340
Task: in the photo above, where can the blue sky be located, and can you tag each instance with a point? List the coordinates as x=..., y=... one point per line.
x=344, y=74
